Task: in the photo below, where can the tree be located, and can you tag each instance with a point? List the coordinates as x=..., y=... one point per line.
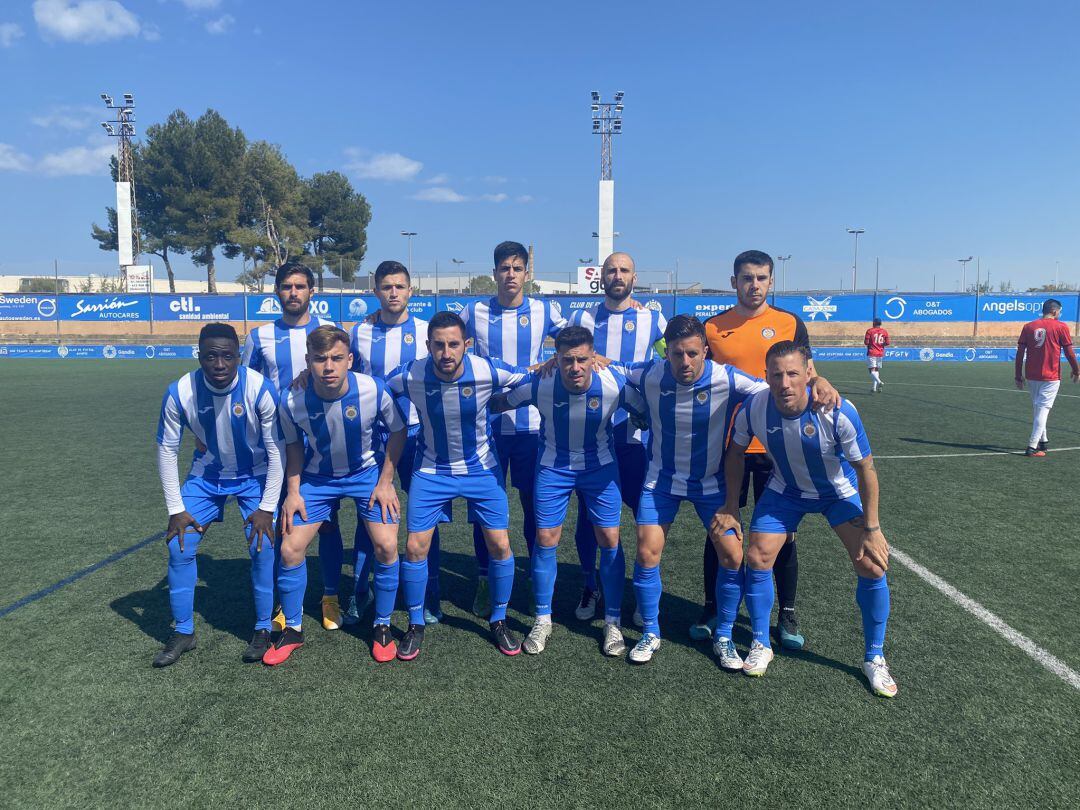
x=1063, y=286
x=338, y=217
x=483, y=285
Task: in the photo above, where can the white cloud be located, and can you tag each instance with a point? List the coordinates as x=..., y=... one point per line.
x=390, y=166
x=201, y=5
x=68, y=117
x=495, y=179
x=495, y=198
x=12, y=160
x=77, y=160
x=9, y=33
x=438, y=180
x=150, y=32
x=440, y=194
x=524, y=198
x=221, y=24
x=85, y=21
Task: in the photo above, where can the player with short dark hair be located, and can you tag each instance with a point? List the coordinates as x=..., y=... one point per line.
x=232, y=412
x=876, y=341
x=1038, y=358
x=821, y=464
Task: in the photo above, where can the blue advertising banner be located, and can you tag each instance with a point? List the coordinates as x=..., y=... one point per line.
x=22, y=307
x=266, y=307
x=828, y=308
x=358, y=307
x=119, y=307
x=1024, y=307
x=198, y=307
x=909, y=308
x=703, y=307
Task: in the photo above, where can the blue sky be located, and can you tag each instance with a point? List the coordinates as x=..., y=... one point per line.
x=943, y=129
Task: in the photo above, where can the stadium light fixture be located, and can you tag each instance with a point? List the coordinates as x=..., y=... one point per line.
x=129, y=99
x=783, y=271
x=963, y=272
x=855, y=265
x=595, y=95
x=619, y=96
x=409, y=235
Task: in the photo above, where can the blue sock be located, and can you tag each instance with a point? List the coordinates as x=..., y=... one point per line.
x=331, y=554
x=612, y=577
x=872, y=596
x=434, y=591
x=585, y=540
x=182, y=575
x=386, y=588
x=544, y=570
x=414, y=577
x=759, y=602
x=291, y=585
x=729, y=592
x=647, y=590
x=363, y=554
x=262, y=583
x=501, y=573
x=483, y=559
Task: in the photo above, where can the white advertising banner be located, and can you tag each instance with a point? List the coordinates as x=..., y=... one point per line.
x=606, y=230
x=590, y=281
x=123, y=223
x=140, y=278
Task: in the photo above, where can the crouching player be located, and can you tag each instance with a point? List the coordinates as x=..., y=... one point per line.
x=577, y=452
x=821, y=464
x=232, y=413
x=338, y=414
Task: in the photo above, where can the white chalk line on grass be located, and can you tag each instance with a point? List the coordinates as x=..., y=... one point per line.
x=1014, y=637
x=983, y=453
x=964, y=387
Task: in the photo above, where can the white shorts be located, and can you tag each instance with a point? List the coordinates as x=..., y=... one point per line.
x=873, y=362
x=1043, y=392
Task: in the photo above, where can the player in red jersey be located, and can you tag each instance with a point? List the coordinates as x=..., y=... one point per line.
x=875, y=340
x=1038, y=358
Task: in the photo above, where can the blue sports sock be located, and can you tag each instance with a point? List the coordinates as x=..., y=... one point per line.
x=182, y=575
x=262, y=582
x=528, y=508
x=872, y=596
x=434, y=592
x=386, y=588
x=363, y=554
x=612, y=577
x=728, y=594
x=585, y=540
x=759, y=601
x=414, y=577
x=647, y=590
x=501, y=574
x=544, y=570
x=331, y=555
x=291, y=584
x=483, y=559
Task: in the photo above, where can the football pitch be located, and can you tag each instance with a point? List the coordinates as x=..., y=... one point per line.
x=988, y=712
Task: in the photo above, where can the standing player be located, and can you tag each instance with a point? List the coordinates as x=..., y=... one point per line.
x=577, y=406
x=740, y=337
x=379, y=345
x=276, y=350
x=457, y=460
x=331, y=430
x=511, y=327
x=232, y=413
x=813, y=458
x=1038, y=357
x=875, y=340
x=624, y=333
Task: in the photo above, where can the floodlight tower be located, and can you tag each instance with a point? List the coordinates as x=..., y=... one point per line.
x=127, y=215
x=606, y=121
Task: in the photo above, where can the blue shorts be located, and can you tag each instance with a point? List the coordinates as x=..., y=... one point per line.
x=323, y=493
x=517, y=454
x=776, y=513
x=598, y=488
x=205, y=500
x=430, y=497
x=658, y=508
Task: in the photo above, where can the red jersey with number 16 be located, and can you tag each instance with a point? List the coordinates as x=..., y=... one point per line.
x=1043, y=340
x=876, y=339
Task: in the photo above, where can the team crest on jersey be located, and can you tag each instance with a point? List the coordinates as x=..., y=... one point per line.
x=466, y=391
x=350, y=412
x=768, y=333
x=238, y=409
x=629, y=326
x=594, y=403
x=409, y=339
x=524, y=320
x=809, y=430
x=702, y=397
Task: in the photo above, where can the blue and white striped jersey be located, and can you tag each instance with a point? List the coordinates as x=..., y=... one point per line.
x=810, y=452
x=340, y=433
x=516, y=337
x=625, y=337
x=378, y=349
x=455, y=430
x=576, y=429
x=689, y=424
x=276, y=350
x=235, y=425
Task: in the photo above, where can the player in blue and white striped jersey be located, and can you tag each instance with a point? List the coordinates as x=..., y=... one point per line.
x=691, y=401
x=381, y=343
x=451, y=391
x=511, y=327
x=626, y=333
x=331, y=428
x=276, y=350
x=577, y=407
x=231, y=411
x=821, y=464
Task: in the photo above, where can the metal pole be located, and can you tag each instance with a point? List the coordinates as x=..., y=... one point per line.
x=877, y=281
x=975, y=327
x=855, y=267
x=675, y=295
x=56, y=275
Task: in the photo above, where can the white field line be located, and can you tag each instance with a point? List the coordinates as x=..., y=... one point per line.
x=1014, y=637
x=964, y=387
x=984, y=453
